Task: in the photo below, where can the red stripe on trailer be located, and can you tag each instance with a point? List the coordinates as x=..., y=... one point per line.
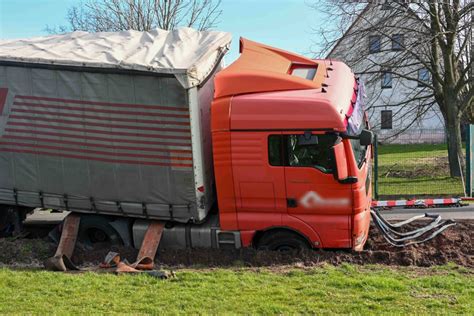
x=89, y=144
x=116, y=140
x=75, y=108
x=99, y=118
x=3, y=98
x=95, y=124
x=93, y=131
x=96, y=152
x=122, y=105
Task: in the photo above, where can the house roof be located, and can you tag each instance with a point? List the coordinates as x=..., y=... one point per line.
x=357, y=19
x=347, y=31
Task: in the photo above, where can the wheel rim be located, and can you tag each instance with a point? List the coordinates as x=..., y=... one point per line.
x=285, y=248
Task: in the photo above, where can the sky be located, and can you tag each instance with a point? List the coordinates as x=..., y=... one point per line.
x=285, y=24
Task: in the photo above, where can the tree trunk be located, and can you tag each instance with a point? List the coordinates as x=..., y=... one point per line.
x=455, y=152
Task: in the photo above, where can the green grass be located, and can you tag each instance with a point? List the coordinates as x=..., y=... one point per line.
x=417, y=150
x=416, y=170
x=323, y=290
x=421, y=186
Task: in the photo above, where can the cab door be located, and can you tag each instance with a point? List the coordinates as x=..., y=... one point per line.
x=259, y=182
x=313, y=194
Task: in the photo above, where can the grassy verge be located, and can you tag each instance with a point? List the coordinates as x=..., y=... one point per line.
x=416, y=170
x=328, y=289
x=421, y=186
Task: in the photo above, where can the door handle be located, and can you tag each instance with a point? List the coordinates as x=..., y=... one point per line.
x=291, y=202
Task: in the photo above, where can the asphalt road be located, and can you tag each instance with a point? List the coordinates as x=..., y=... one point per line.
x=464, y=212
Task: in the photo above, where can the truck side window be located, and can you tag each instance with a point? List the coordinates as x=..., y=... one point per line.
x=357, y=148
x=299, y=151
x=359, y=151
x=275, y=156
x=307, y=153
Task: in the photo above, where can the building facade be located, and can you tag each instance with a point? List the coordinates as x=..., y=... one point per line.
x=400, y=110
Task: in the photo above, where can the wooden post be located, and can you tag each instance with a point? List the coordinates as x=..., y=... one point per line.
x=376, y=168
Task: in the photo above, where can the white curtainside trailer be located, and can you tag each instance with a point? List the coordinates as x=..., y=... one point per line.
x=110, y=123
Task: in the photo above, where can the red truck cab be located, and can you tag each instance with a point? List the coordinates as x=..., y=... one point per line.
x=291, y=166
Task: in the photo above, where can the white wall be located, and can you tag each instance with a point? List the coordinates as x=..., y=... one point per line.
x=353, y=48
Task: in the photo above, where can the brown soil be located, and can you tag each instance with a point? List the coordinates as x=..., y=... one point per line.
x=455, y=245
x=420, y=167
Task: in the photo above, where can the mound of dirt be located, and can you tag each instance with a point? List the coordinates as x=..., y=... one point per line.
x=430, y=167
x=25, y=252
x=456, y=245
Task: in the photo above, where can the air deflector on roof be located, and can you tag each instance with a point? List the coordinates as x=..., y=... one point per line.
x=262, y=68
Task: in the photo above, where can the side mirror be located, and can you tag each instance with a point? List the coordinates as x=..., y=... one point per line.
x=340, y=159
x=366, y=137
x=342, y=172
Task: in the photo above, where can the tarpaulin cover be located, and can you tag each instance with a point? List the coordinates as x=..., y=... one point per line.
x=111, y=143
x=188, y=54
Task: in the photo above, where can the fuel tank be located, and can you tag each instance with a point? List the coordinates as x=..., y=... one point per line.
x=181, y=236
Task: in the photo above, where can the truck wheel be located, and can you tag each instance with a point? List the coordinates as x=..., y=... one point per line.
x=96, y=229
x=282, y=241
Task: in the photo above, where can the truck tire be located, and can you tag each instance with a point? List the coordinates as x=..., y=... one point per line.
x=95, y=229
x=282, y=240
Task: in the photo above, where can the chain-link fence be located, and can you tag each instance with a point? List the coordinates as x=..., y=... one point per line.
x=406, y=171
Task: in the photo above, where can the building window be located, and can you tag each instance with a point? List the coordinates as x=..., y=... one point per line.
x=386, y=119
x=397, y=42
x=375, y=43
x=386, y=79
x=423, y=76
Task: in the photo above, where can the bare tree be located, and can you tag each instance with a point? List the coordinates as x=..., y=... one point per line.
x=140, y=15
x=439, y=39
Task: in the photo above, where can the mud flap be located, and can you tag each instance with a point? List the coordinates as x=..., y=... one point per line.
x=396, y=235
x=61, y=261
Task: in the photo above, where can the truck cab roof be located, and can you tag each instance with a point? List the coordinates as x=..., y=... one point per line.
x=269, y=88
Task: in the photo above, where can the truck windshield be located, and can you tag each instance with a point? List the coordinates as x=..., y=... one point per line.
x=357, y=123
x=359, y=150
